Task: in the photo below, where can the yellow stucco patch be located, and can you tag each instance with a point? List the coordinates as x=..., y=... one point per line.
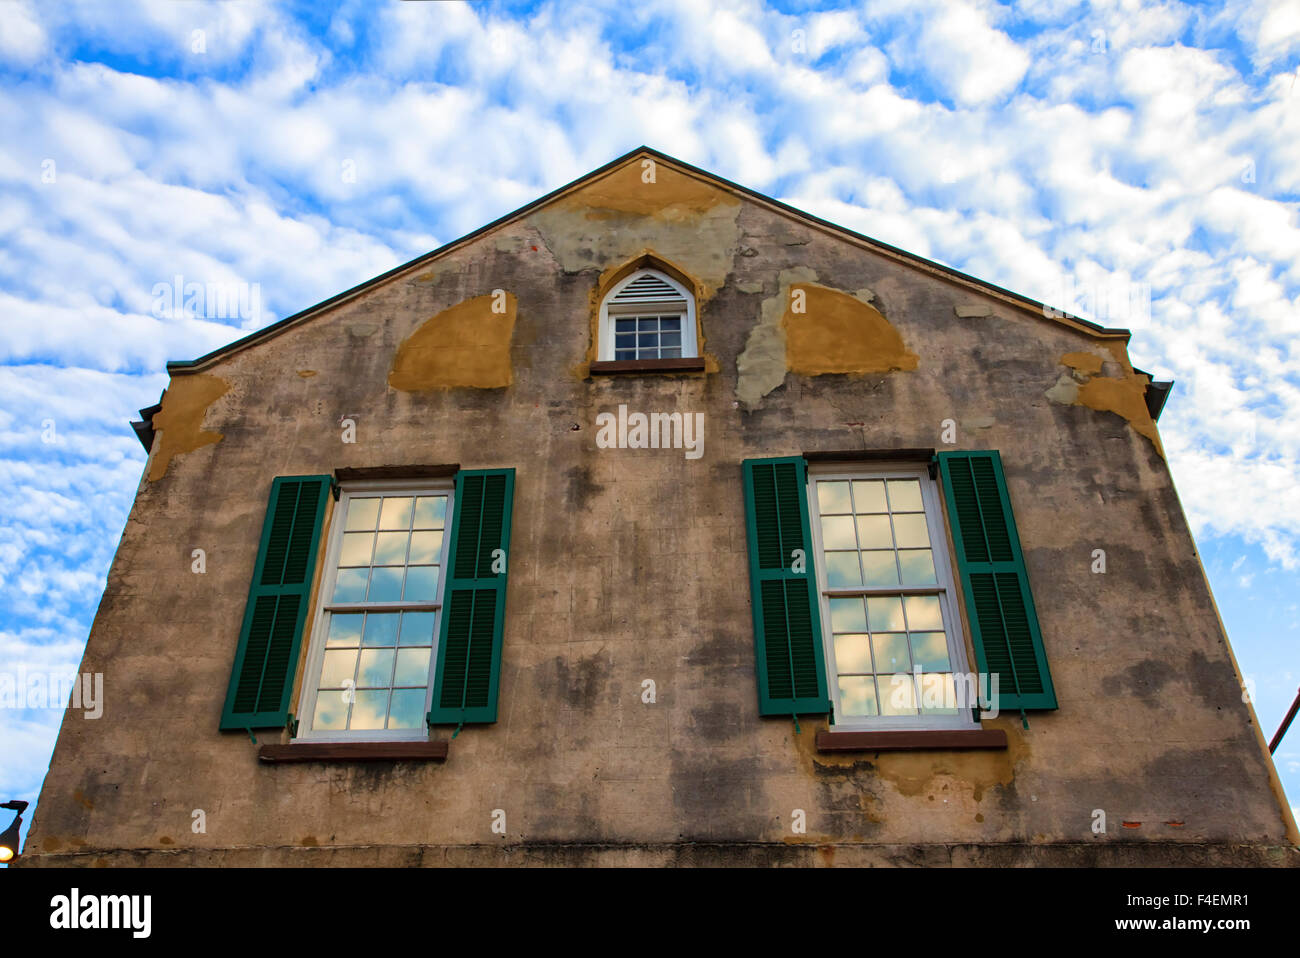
x=179, y=423
x=1124, y=395
x=1089, y=363
x=466, y=345
x=672, y=196
x=839, y=333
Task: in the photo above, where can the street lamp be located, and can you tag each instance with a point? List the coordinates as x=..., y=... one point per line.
x=9, y=838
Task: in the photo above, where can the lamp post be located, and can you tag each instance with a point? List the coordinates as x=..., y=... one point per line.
x=9, y=838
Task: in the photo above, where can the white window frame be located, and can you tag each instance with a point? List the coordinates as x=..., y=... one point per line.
x=945, y=589
x=325, y=606
x=609, y=311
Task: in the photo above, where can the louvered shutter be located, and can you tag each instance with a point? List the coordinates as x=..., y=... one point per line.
x=1004, y=625
x=787, y=626
x=474, y=600
x=269, y=640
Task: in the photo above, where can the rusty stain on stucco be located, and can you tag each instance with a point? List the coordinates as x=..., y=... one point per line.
x=179, y=423
x=465, y=345
x=1089, y=385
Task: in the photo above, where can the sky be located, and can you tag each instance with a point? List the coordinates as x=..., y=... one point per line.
x=1136, y=163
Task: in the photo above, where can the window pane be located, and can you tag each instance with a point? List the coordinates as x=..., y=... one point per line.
x=670, y=339
x=417, y=628
x=376, y=669
x=848, y=615
x=878, y=568
x=407, y=709
x=891, y=653
x=350, y=585
x=362, y=513
x=923, y=613
x=381, y=629
x=390, y=548
x=670, y=324
x=930, y=651
x=869, y=495
x=647, y=324
x=858, y=695
x=625, y=354
x=905, y=495
x=412, y=667
x=430, y=512
x=885, y=613
x=356, y=548
x=833, y=497
x=897, y=695
x=425, y=548
x=345, y=629
x=421, y=583
x=331, y=712
x=647, y=340
x=852, y=654
x=874, y=533
x=369, y=710
x=842, y=570
x=386, y=585
x=837, y=532
x=396, y=513
x=340, y=666
x=625, y=341
x=938, y=694
x=910, y=531
x=674, y=353
x=918, y=567
x=625, y=325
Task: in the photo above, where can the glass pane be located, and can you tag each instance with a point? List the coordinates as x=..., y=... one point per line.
x=340, y=666
x=891, y=653
x=670, y=324
x=674, y=353
x=368, y=710
x=833, y=497
x=930, y=651
x=362, y=513
x=425, y=548
x=376, y=670
x=905, y=495
x=837, y=532
x=386, y=585
x=331, y=712
x=878, y=568
x=923, y=613
x=842, y=570
x=852, y=654
x=897, y=695
x=417, y=628
x=345, y=629
x=647, y=324
x=869, y=495
x=670, y=339
x=848, y=615
x=350, y=586
x=421, y=583
x=885, y=613
x=412, y=667
x=430, y=512
x=390, y=548
x=858, y=695
x=625, y=325
x=918, y=567
x=626, y=341
x=396, y=513
x=874, y=532
x=408, y=709
x=938, y=694
x=381, y=629
x=625, y=354
x=647, y=340
x=356, y=548
x=910, y=531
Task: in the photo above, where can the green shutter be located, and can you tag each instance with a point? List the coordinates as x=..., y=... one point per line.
x=262, y=678
x=787, y=626
x=474, y=600
x=1004, y=625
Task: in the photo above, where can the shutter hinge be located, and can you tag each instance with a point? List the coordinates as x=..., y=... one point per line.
x=293, y=726
x=933, y=466
x=334, y=488
x=251, y=735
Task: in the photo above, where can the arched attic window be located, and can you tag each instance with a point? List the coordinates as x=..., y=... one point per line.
x=647, y=315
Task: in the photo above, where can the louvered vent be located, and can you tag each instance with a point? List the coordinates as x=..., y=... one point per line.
x=647, y=288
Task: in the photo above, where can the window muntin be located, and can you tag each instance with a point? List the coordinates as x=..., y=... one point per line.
x=374, y=643
x=887, y=599
x=647, y=315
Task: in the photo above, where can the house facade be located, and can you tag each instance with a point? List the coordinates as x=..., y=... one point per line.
x=661, y=523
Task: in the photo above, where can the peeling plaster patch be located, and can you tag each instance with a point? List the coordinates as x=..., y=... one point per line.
x=912, y=772
x=306, y=373
x=1107, y=386
x=866, y=294
x=839, y=333
x=973, y=312
x=1065, y=392
x=750, y=287
x=363, y=329
x=1087, y=363
x=466, y=345
x=761, y=366
x=179, y=423
x=978, y=422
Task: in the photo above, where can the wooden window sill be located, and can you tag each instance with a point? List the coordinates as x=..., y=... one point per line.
x=693, y=364
x=435, y=751
x=897, y=739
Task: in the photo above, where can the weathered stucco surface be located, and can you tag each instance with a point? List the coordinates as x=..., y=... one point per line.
x=631, y=564
x=465, y=345
x=179, y=423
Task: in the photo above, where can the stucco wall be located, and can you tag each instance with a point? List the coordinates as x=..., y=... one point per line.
x=631, y=564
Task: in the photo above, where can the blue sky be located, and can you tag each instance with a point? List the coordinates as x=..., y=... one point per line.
x=1086, y=154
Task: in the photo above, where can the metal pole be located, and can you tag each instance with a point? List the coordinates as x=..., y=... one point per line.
x=1286, y=724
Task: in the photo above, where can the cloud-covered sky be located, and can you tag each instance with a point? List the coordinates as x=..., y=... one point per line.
x=1136, y=162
